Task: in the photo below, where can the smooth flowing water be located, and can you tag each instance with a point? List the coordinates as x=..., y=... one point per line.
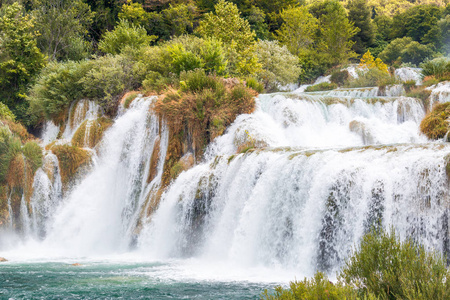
x=286, y=191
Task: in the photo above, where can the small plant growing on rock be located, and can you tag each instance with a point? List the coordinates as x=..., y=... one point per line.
x=435, y=124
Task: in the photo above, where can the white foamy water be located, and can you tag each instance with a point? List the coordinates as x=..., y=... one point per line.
x=322, y=169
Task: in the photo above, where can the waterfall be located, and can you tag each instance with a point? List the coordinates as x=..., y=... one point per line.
x=299, y=208
x=321, y=171
x=440, y=93
x=47, y=195
x=294, y=185
x=100, y=213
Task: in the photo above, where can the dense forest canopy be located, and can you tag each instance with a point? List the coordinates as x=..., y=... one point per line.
x=48, y=47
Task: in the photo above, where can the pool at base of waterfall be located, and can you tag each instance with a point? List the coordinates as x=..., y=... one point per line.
x=90, y=279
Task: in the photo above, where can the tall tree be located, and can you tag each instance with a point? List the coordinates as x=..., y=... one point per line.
x=298, y=31
x=62, y=25
x=360, y=14
x=335, y=31
x=227, y=25
x=20, y=58
x=420, y=23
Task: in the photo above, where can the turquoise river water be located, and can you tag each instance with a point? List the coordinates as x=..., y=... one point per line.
x=106, y=280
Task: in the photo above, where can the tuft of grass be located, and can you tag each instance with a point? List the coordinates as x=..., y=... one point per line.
x=420, y=93
x=435, y=124
x=90, y=132
x=70, y=159
x=324, y=86
x=430, y=80
x=409, y=84
x=254, y=84
x=129, y=99
x=33, y=153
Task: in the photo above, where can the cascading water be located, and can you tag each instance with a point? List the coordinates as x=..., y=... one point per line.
x=305, y=206
x=100, y=212
x=292, y=187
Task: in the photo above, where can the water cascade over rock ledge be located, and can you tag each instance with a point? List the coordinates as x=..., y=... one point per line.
x=293, y=185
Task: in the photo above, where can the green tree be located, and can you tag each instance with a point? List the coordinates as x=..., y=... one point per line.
x=444, y=26
x=20, y=58
x=124, y=35
x=279, y=66
x=360, y=14
x=134, y=13
x=405, y=50
x=62, y=25
x=227, y=25
x=298, y=30
x=335, y=31
x=179, y=19
x=257, y=20
x=420, y=23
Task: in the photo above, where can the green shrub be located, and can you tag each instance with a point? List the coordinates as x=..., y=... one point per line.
x=182, y=59
x=124, y=35
x=165, y=64
x=372, y=77
x=391, y=269
x=438, y=67
x=318, y=287
x=339, y=77
x=324, y=86
x=197, y=80
x=279, y=66
x=108, y=79
x=194, y=52
x=57, y=86
x=254, y=84
x=405, y=50
x=6, y=113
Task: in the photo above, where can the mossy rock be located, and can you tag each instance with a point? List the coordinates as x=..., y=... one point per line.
x=71, y=160
x=91, y=132
x=435, y=124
